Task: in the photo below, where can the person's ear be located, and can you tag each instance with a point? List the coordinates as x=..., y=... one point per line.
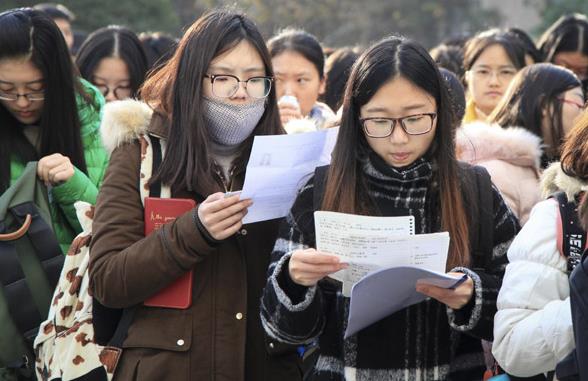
x=323, y=85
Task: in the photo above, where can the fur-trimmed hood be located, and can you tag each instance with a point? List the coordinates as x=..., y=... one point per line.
x=477, y=142
x=123, y=122
x=554, y=180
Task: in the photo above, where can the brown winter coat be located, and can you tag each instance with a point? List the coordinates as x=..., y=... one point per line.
x=220, y=336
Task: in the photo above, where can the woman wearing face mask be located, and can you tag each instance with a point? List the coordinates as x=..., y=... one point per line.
x=565, y=43
x=48, y=115
x=113, y=59
x=393, y=157
x=524, y=132
x=206, y=105
x=491, y=60
x=299, y=62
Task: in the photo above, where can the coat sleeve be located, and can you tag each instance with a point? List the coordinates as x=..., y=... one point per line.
x=291, y=313
x=477, y=317
x=533, y=326
x=125, y=266
x=82, y=187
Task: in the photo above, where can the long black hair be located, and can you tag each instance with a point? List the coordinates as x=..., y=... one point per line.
x=176, y=91
x=568, y=34
x=113, y=41
x=346, y=189
x=533, y=90
x=301, y=42
x=31, y=34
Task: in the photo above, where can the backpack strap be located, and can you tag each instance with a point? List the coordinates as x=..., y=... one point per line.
x=571, y=238
x=320, y=177
x=479, y=202
x=155, y=190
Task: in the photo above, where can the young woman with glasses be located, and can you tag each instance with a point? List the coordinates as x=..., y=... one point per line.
x=48, y=115
x=524, y=132
x=113, y=59
x=491, y=60
x=205, y=105
x=394, y=157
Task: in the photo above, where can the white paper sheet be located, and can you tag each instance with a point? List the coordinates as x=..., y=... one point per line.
x=385, y=291
x=279, y=165
x=371, y=243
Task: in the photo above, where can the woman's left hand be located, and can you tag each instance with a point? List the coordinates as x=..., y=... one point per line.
x=454, y=298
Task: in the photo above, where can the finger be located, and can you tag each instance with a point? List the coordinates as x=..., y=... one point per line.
x=58, y=168
x=63, y=176
x=216, y=217
x=213, y=197
x=229, y=221
x=317, y=270
x=284, y=106
x=319, y=258
x=222, y=203
x=230, y=231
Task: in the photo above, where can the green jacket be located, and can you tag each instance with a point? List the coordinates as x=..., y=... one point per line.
x=80, y=187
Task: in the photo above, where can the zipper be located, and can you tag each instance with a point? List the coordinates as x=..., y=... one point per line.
x=227, y=185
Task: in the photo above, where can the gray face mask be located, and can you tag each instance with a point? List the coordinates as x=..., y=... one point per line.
x=230, y=124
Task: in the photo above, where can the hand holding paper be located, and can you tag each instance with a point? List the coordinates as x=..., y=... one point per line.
x=455, y=297
x=308, y=266
x=222, y=216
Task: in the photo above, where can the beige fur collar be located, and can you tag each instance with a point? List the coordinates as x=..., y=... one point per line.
x=554, y=180
x=123, y=122
x=478, y=141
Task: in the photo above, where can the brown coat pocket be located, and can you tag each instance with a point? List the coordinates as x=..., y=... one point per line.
x=160, y=328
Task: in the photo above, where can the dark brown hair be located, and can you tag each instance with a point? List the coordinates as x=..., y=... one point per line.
x=533, y=90
x=476, y=45
x=346, y=189
x=574, y=160
x=175, y=90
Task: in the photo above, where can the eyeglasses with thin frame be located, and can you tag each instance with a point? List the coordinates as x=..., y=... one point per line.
x=572, y=102
x=417, y=124
x=227, y=85
x=31, y=97
x=503, y=74
x=105, y=90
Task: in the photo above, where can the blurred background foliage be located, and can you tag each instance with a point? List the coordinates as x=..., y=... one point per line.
x=334, y=22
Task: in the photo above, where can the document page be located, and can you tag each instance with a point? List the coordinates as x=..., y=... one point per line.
x=279, y=165
x=370, y=243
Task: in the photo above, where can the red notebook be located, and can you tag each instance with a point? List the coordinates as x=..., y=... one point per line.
x=159, y=211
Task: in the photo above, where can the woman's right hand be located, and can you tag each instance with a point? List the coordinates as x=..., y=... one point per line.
x=288, y=112
x=222, y=217
x=308, y=266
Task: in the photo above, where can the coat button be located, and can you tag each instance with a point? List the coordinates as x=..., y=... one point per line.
x=243, y=231
x=271, y=345
x=239, y=316
x=180, y=342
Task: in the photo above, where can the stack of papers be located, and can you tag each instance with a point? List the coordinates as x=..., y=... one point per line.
x=386, y=260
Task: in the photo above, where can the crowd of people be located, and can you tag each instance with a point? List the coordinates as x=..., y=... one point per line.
x=475, y=137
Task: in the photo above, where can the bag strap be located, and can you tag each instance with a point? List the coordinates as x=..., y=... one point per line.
x=128, y=314
x=479, y=201
x=571, y=238
x=320, y=177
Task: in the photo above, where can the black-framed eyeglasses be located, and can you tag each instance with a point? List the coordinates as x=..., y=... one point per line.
x=417, y=124
x=31, y=97
x=120, y=92
x=226, y=85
